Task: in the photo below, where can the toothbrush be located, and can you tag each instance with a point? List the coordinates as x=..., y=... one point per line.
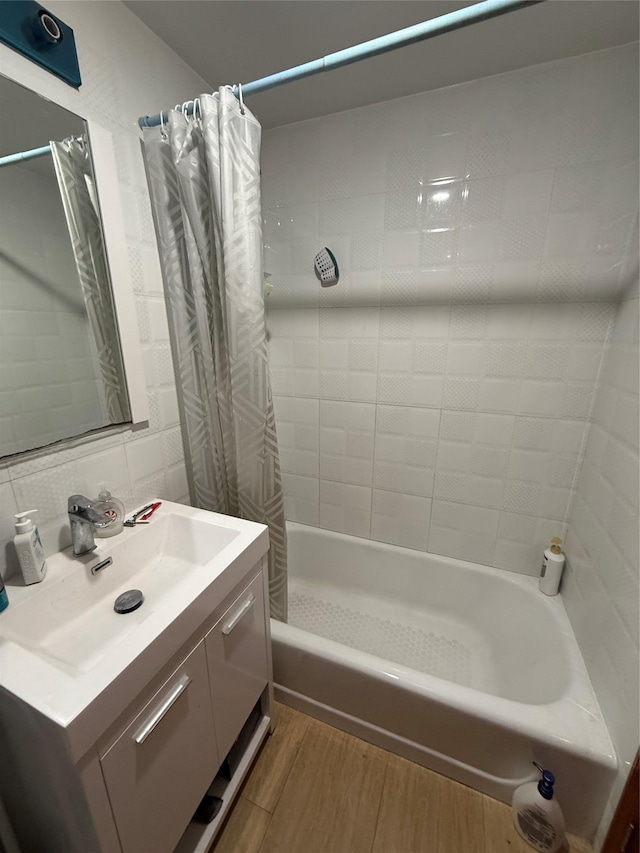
x=134, y=518
x=151, y=509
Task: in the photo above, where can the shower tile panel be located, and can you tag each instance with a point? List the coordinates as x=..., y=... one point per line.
x=483, y=199
x=301, y=498
x=541, y=398
x=334, y=179
x=461, y=531
x=601, y=581
x=488, y=153
x=478, y=242
x=345, y=507
x=401, y=249
x=489, y=236
x=536, y=499
x=366, y=251
x=518, y=540
x=462, y=544
x=410, y=389
x=400, y=519
x=405, y=450
x=528, y=192
x=499, y=395
x=468, y=488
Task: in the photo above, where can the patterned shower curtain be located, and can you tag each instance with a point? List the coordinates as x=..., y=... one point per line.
x=72, y=163
x=204, y=181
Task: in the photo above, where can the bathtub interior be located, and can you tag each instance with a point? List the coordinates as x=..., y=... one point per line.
x=454, y=620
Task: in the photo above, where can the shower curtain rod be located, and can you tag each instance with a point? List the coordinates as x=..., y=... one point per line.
x=8, y=159
x=384, y=44
x=25, y=155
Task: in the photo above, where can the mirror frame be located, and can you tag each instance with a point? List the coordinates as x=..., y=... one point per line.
x=116, y=248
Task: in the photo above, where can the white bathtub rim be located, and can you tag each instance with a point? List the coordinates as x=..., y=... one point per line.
x=582, y=732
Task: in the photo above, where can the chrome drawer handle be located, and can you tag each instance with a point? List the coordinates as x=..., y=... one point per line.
x=228, y=628
x=162, y=709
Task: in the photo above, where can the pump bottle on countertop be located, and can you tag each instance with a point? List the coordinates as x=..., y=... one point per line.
x=29, y=548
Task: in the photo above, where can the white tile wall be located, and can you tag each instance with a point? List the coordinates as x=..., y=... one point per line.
x=601, y=587
x=456, y=360
x=127, y=71
x=485, y=234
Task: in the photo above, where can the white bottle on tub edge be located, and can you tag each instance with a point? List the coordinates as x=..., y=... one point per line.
x=551, y=569
x=537, y=816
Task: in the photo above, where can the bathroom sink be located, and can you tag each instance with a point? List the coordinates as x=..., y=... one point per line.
x=69, y=619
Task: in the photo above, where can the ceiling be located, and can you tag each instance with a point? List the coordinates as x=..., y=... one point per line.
x=230, y=41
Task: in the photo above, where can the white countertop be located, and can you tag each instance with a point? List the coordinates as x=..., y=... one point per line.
x=69, y=696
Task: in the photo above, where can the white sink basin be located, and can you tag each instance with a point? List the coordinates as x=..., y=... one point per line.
x=71, y=621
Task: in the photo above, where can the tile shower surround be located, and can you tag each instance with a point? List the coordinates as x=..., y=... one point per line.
x=601, y=588
x=127, y=71
x=470, y=387
x=439, y=396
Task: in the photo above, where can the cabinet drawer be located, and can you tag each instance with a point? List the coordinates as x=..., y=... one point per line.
x=237, y=658
x=160, y=767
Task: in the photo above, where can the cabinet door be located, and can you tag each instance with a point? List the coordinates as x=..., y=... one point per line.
x=237, y=658
x=160, y=767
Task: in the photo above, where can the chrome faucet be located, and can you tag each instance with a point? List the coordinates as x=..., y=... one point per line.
x=83, y=520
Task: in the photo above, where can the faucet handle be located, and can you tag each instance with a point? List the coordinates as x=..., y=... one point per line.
x=78, y=504
x=83, y=507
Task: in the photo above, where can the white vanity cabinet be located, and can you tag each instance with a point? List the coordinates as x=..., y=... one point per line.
x=169, y=747
x=162, y=762
x=127, y=773
x=238, y=664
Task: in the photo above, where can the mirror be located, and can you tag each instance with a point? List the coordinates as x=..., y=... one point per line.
x=61, y=365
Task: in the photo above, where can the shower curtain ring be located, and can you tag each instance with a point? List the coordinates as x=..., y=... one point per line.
x=240, y=98
x=197, y=109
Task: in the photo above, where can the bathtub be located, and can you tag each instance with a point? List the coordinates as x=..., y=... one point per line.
x=467, y=670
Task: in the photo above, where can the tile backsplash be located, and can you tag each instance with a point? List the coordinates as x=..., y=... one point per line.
x=483, y=234
x=126, y=71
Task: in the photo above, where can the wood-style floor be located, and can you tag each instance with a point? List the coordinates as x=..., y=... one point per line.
x=314, y=789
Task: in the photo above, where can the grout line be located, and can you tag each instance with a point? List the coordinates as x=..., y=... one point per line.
x=606, y=348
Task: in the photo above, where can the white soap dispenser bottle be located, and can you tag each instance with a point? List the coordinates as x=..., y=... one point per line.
x=29, y=547
x=537, y=816
x=551, y=569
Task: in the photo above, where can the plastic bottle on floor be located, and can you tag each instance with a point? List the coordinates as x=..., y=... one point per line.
x=537, y=816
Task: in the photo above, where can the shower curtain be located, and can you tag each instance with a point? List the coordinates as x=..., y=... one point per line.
x=72, y=163
x=204, y=180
